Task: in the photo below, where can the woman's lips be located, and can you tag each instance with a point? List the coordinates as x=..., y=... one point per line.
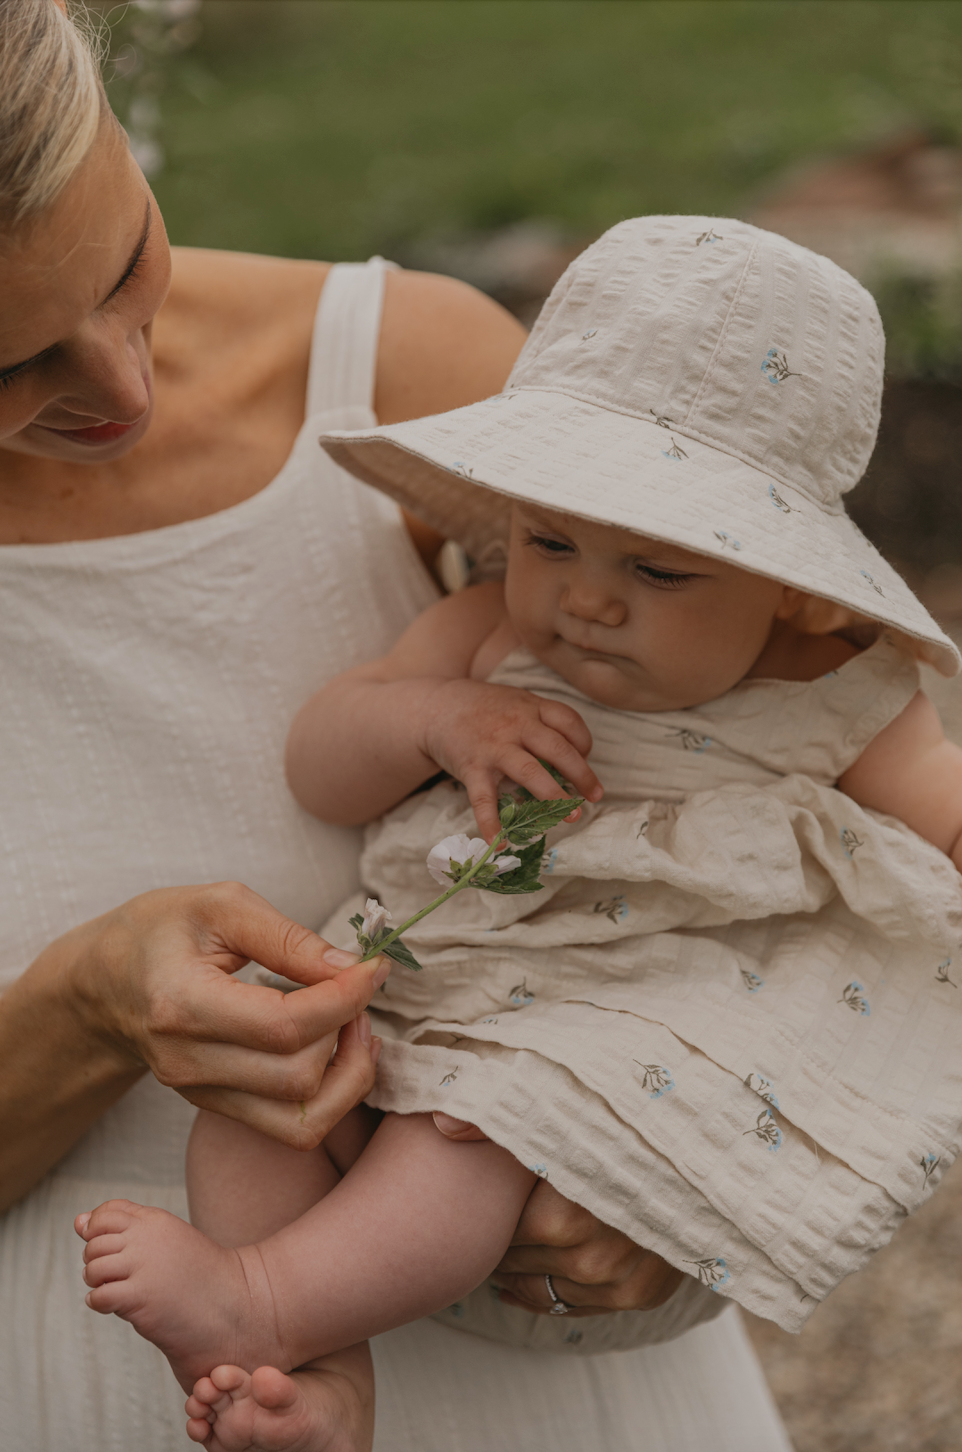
x=104, y=433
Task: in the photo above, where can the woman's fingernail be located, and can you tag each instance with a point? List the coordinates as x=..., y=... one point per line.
x=364, y=1029
x=376, y=1046
x=382, y=972
x=82, y=1221
x=337, y=958
x=447, y=1123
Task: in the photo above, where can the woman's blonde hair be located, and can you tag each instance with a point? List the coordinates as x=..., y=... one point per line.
x=51, y=100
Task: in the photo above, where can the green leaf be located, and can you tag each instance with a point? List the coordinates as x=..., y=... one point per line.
x=357, y=922
x=533, y=818
x=526, y=878
x=401, y=953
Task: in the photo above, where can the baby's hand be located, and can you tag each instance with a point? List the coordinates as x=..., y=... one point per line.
x=480, y=734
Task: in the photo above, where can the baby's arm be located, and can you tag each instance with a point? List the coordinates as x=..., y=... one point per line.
x=374, y=734
x=912, y=772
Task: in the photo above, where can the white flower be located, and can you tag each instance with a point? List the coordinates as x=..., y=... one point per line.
x=376, y=919
x=460, y=848
x=506, y=864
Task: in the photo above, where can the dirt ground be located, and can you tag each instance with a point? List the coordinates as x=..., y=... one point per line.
x=878, y=1368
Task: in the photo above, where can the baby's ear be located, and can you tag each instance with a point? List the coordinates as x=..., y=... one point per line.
x=811, y=615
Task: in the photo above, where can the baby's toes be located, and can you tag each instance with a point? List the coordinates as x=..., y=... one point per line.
x=113, y=1217
x=104, y=1268
x=273, y=1390
x=103, y=1245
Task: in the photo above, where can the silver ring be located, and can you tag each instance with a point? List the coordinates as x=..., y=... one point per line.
x=558, y=1307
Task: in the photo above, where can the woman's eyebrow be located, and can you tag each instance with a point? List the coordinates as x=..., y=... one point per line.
x=135, y=257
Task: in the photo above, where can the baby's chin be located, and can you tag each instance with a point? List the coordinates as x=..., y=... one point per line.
x=608, y=682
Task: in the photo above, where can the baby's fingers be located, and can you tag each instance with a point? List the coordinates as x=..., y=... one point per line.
x=482, y=790
x=549, y=745
x=524, y=767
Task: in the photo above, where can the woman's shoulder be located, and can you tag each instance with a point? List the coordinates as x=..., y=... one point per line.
x=220, y=299
x=443, y=343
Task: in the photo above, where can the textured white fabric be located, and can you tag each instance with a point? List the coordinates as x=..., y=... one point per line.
x=694, y=380
x=727, y=1024
x=439, y=1391
x=147, y=687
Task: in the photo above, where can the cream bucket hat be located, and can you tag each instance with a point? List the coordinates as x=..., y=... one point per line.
x=698, y=381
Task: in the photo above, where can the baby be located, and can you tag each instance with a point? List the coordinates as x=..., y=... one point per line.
x=728, y=1024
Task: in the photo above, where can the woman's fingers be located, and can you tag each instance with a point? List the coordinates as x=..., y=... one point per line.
x=599, y=1267
x=348, y=1079
x=222, y=1008
x=531, y=1294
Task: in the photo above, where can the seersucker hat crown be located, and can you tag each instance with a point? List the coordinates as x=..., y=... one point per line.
x=691, y=379
x=730, y=335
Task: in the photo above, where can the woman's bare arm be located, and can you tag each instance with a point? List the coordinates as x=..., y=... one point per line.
x=149, y=987
x=912, y=772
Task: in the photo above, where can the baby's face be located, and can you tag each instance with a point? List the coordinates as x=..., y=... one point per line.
x=631, y=622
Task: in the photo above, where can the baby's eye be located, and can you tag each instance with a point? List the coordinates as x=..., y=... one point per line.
x=662, y=579
x=546, y=543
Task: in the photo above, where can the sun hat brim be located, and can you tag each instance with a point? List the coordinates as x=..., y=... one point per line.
x=460, y=471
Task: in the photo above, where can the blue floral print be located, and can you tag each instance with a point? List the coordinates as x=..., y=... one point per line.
x=675, y=453
x=761, y=1086
x=691, y=740
x=850, y=842
x=866, y=576
x=775, y=367
x=853, y=996
x=751, y=980
x=656, y=1080
x=521, y=995
x=712, y=1271
x=766, y=1129
x=929, y=1164
x=450, y=1077
x=727, y=540
x=709, y=237
x=942, y=973
x=778, y=501
x=615, y=909
x=540, y=1170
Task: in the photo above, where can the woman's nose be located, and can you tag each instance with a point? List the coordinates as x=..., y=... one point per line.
x=592, y=603
x=114, y=378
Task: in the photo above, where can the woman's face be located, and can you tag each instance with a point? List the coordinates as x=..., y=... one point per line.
x=79, y=287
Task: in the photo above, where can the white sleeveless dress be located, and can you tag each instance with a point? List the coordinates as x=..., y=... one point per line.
x=147, y=686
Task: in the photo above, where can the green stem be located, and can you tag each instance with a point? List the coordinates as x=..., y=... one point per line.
x=496, y=846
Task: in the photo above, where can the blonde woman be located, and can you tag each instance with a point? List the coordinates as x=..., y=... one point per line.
x=180, y=568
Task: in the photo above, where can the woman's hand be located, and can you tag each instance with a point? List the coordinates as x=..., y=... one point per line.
x=149, y=986
x=593, y=1268
x=252, y=1053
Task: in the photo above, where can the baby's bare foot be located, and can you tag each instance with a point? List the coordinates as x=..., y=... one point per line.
x=201, y=1304
x=325, y=1408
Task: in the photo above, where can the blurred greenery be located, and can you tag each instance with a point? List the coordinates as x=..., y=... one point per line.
x=338, y=128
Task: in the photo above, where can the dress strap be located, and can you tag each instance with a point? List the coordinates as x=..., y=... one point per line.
x=340, y=383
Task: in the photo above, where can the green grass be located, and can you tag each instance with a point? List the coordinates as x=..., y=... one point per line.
x=338, y=128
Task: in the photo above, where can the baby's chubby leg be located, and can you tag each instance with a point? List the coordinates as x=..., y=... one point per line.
x=242, y=1186
x=417, y=1222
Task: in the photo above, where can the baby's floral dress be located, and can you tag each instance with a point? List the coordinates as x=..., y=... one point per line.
x=730, y=1024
